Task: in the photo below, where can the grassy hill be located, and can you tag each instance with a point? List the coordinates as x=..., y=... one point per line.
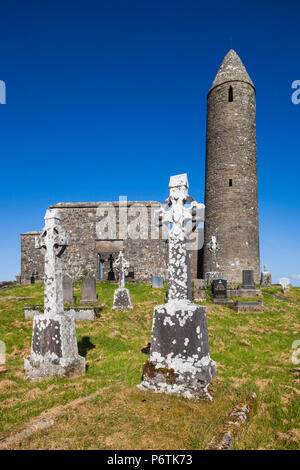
x=253, y=354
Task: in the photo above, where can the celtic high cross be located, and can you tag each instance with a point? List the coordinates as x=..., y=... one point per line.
x=175, y=212
x=53, y=241
x=121, y=265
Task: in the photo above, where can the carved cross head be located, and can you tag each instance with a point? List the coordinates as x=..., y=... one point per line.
x=121, y=265
x=179, y=207
x=53, y=236
x=213, y=246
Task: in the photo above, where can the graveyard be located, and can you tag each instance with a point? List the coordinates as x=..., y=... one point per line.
x=142, y=318
x=252, y=353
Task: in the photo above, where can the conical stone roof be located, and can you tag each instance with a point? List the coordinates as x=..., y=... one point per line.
x=231, y=69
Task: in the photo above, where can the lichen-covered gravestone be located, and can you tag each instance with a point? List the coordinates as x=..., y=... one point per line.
x=122, y=299
x=179, y=357
x=88, y=291
x=68, y=289
x=54, y=350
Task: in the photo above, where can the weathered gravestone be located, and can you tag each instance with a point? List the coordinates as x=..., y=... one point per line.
x=88, y=291
x=213, y=273
x=54, y=348
x=248, y=279
x=285, y=284
x=179, y=356
x=265, y=278
x=198, y=290
x=68, y=295
x=219, y=289
x=157, y=282
x=122, y=299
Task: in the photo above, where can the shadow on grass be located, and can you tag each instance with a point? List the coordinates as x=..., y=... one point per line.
x=84, y=345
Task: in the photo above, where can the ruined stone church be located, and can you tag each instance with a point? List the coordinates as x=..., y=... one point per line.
x=231, y=204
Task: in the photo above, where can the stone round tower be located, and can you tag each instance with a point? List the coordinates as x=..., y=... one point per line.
x=231, y=209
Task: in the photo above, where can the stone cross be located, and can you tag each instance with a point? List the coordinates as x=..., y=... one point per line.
x=53, y=240
x=213, y=248
x=175, y=212
x=121, y=265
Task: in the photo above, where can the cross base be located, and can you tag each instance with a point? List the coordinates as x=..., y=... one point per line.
x=179, y=358
x=122, y=299
x=54, y=350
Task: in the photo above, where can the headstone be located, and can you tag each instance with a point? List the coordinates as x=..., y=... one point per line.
x=219, y=289
x=198, y=290
x=54, y=350
x=265, y=278
x=122, y=299
x=157, y=282
x=2, y=353
x=248, y=279
x=179, y=356
x=68, y=295
x=285, y=284
x=88, y=291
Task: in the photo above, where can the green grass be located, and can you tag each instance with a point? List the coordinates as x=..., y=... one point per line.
x=252, y=351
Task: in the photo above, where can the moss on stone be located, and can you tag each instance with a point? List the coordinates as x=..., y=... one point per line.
x=151, y=371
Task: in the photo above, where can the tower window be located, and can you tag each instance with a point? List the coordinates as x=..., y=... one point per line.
x=230, y=182
x=230, y=94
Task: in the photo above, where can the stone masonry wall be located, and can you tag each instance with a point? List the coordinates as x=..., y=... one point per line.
x=32, y=260
x=231, y=212
x=88, y=246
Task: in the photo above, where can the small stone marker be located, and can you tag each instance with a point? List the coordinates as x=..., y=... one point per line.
x=285, y=283
x=122, y=299
x=179, y=356
x=157, y=282
x=219, y=288
x=2, y=353
x=54, y=350
x=248, y=307
x=68, y=289
x=248, y=279
x=88, y=291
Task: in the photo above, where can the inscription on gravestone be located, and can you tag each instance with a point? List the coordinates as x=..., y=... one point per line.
x=219, y=288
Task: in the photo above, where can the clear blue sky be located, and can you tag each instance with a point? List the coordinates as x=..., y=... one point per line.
x=108, y=98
